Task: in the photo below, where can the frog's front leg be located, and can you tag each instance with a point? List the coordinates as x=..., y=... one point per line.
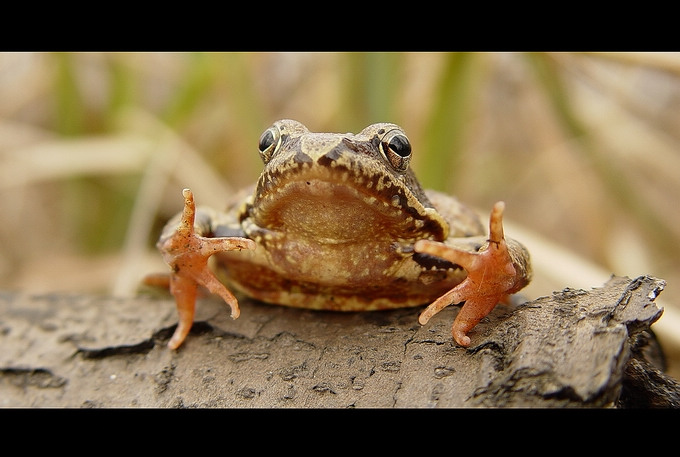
x=496, y=270
x=187, y=253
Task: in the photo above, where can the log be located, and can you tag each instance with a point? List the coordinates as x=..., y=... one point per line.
x=575, y=348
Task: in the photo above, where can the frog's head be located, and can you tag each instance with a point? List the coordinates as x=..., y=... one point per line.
x=338, y=187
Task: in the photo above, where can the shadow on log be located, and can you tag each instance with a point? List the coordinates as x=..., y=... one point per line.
x=575, y=348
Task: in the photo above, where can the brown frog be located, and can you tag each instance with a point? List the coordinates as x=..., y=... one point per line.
x=339, y=222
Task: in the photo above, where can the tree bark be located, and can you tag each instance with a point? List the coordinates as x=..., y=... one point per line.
x=575, y=348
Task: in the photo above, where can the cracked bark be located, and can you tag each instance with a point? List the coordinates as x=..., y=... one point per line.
x=575, y=348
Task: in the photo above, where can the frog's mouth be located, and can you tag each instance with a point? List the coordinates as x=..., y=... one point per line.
x=335, y=207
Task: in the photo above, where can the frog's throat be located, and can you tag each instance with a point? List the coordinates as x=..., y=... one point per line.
x=336, y=204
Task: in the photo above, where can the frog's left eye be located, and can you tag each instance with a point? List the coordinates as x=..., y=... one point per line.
x=396, y=148
x=269, y=143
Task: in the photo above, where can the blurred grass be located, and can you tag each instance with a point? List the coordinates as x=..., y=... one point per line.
x=445, y=131
x=584, y=148
x=609, y=171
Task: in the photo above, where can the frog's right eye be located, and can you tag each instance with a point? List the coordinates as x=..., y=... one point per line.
x=269, y=143
x=396, y=149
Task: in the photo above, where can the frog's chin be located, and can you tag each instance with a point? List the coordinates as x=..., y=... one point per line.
x=336, y=212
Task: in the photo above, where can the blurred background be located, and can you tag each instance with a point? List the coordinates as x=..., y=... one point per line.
x=583, y=148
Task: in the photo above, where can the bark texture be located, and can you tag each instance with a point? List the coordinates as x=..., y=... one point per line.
x=575, y=348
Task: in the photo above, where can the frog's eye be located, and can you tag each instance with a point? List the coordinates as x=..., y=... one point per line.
x=396, y=148
x=269, y=143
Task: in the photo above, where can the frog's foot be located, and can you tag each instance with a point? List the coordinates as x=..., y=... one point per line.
x=491, y=276
x=187, y=254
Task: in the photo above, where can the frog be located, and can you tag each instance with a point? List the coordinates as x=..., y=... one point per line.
x=339, y=222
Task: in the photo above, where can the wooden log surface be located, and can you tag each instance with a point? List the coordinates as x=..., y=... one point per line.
x=575, y=348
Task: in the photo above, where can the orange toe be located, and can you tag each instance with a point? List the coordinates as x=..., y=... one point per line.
x=491, y=276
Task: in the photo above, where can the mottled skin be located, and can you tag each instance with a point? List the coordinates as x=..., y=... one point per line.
x=339, y=222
